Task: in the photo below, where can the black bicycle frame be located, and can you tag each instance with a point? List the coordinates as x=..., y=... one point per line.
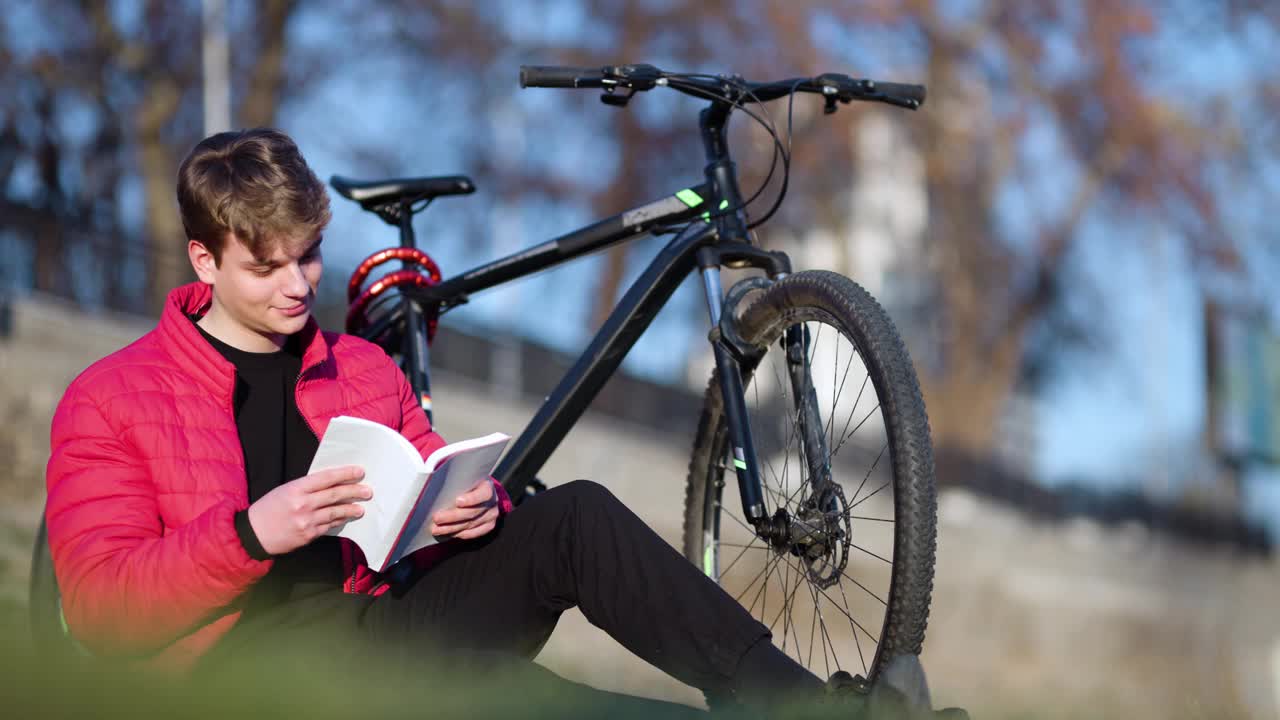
x=628, y=321
x=719, y=240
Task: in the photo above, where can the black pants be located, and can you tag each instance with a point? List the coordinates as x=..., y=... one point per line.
x=496, y=600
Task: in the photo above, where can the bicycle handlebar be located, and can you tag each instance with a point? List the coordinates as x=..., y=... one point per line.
x=638, y=78
x=905, y=91
x=555, y=76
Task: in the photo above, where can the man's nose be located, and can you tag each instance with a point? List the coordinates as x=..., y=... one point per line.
x=295, y=282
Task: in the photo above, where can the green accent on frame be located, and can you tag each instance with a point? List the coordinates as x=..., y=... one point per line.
x=689, y=197
x=706, y=216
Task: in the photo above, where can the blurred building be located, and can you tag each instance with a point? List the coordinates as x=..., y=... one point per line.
x=1242, y=408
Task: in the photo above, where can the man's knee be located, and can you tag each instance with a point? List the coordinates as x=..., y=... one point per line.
x=582, y=498
x=588, y=492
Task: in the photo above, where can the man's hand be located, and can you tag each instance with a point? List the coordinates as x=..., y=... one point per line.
x=299, y=511
x=475, y=513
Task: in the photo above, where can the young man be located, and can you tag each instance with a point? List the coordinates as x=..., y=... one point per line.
x=186, y=532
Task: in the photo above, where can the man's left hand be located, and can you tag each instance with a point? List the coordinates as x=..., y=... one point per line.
x=475, y=513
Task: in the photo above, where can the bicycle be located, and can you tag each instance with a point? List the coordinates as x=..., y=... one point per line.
x=765, y=402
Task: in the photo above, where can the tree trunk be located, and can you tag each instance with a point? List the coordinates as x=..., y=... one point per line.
x=259, y=106
x=615, y=197
x=165, y=242
x=980, y=355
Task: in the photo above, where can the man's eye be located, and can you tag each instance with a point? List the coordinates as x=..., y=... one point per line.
x=262, y=272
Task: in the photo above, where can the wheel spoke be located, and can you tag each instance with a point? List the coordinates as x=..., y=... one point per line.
x=849, y=419
x=804, y=483
x=773, y=565
x=726, y=511
x=822, y=623
x=837, y=607
x=793, y=436
x=844, y=439
x=736, y=519
x=813, y=624
x=777, y=494
x=786, y=602
x=741, y=552
x=856, y=545
x=829, y=431
x=854, y=580
x=862, y=658
x=791, y=620
x=755, y=387
x=866, y=477
x=835, y=398
x=749, y=585
x=871, y=494
x=786, y=574
x=763, y=592
x=786, y=451
x=807, y=386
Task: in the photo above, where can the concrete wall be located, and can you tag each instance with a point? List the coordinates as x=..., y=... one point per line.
x=1029, y=619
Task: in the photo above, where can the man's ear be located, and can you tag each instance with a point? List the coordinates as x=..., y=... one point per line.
x=202, y=261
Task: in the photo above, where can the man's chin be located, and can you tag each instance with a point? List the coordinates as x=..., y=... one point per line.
x=291, y=325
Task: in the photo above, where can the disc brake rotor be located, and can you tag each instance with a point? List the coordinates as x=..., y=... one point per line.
x=826, y=563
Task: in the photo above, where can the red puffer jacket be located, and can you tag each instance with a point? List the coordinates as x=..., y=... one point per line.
x=147, y=473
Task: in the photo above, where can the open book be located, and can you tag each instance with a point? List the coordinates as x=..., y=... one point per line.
x=406, y=490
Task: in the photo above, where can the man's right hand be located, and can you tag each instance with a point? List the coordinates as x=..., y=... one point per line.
x=299, y=511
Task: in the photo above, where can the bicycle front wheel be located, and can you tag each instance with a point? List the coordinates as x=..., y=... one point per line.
x=855, y=591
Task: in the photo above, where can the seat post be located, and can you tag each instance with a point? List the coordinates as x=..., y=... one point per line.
x=406, y=226
x=414, y=348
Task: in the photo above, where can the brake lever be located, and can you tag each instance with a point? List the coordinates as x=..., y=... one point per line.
x=629, y=78
x=637, y=77
x=616, y=99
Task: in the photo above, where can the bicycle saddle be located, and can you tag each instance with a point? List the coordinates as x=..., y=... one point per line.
x=373, y=193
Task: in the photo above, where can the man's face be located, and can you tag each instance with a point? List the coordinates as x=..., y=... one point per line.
x=270, y=298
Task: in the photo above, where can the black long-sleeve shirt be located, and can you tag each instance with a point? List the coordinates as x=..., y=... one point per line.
x=278, y=447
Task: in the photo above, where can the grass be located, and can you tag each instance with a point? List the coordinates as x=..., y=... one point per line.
x=289, y=684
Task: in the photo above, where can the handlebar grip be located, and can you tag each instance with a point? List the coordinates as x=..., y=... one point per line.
x=902, y=91
x=557, y=76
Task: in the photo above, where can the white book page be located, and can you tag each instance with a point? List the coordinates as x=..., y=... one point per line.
x=460, y=467
x=444, y=453
x=392, y=468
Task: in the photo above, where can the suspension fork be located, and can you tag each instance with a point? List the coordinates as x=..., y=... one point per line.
x=729, y=352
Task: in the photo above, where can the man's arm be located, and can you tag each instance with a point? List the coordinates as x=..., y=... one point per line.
x=127, y=588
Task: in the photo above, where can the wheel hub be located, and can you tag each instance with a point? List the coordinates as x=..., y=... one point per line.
x=819, y=534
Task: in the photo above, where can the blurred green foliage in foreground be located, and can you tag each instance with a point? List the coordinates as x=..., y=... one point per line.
x=315, y=683
x=300, y=686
